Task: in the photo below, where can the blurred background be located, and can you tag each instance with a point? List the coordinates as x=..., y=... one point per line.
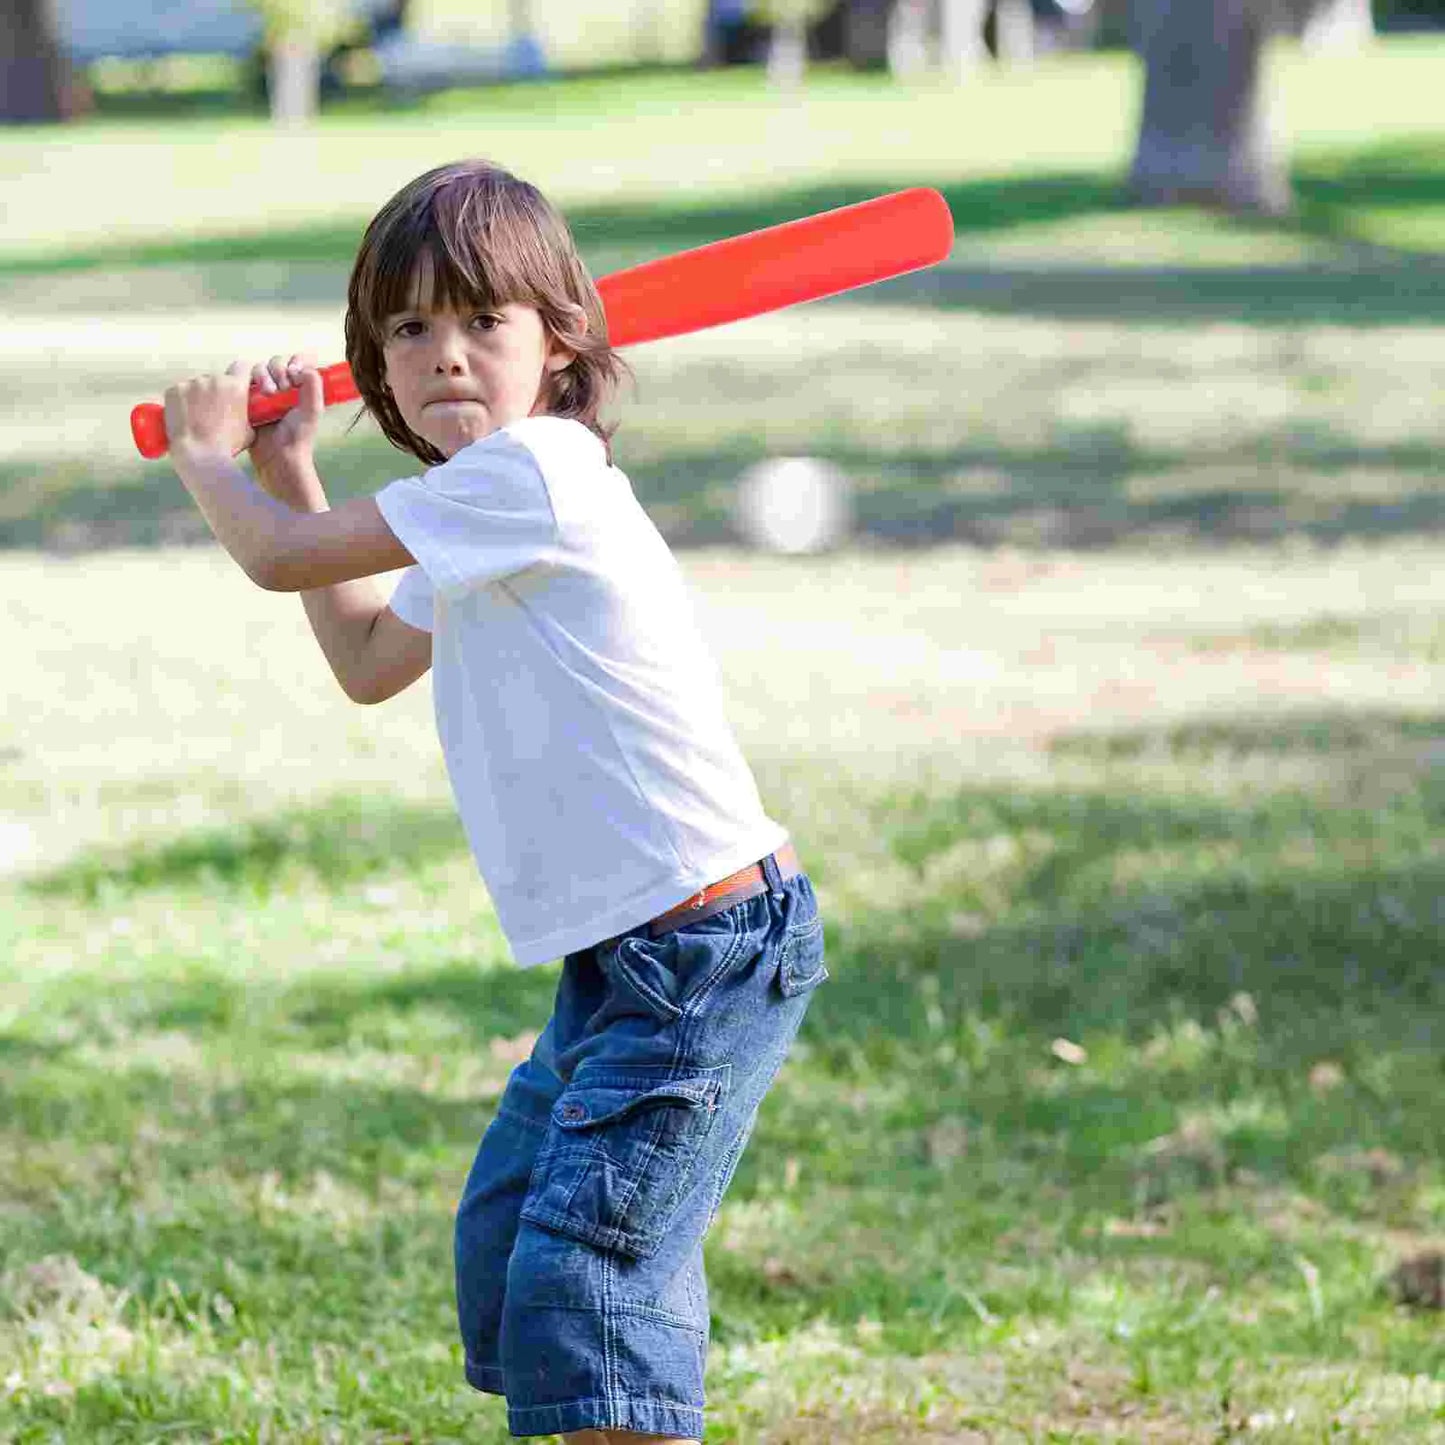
x=1079, y=602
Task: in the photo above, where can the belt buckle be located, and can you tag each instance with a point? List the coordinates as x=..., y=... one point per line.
x=698, y=900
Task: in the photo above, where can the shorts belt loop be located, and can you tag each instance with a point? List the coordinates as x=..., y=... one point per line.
x=772, y=873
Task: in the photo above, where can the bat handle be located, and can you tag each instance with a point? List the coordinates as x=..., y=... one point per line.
x=148, y=420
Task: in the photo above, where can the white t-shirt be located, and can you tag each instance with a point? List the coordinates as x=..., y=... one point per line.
x=579, y=711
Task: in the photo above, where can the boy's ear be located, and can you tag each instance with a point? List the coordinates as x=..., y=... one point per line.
x=559, y=354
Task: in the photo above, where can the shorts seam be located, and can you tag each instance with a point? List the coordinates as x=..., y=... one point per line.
x=688, y=1014
x=676, y=1322
x=611, y=1381
x=489, y=1379
x=637, y=1412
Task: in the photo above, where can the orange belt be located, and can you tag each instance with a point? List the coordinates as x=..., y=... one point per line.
x=745, y=883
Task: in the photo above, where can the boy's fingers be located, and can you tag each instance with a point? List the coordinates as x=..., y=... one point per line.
x=262, y=379
x=311, y=392
x=280, y=373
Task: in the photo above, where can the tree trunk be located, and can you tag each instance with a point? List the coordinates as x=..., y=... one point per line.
x=908, y=38
x=1339, y=26
x=788, y=54
x=1204, y=135
x=294, y=76
x=1014, y=30
x=35, y=78
x=962, y=36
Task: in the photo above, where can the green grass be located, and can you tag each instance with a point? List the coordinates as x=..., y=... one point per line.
x=1113, y=744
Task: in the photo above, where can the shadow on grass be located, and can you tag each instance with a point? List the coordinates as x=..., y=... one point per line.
x=1078, y=493
x=1393, y=291
x=1316, y=734
x=75, y=506
x=1127, y=910
x=345, y=840
x=637, y=231
x=1120, y=906
x=1373, y=284
x=1401, y=175
x=499, y=1004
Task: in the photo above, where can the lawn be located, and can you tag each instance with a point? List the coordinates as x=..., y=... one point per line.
x=1113, y=742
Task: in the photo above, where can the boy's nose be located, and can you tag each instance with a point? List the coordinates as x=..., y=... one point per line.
x=450, y=354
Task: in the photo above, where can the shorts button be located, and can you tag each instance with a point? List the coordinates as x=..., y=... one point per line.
x=572, y=1112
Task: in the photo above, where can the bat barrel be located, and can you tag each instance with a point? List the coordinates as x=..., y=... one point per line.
x=778, y=266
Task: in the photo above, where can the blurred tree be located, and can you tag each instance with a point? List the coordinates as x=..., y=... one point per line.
x=788, y=44
x=294, y=35
x=962, y=23
x=962, y=31
x=908, y=37
x=1339, y=25
x=35, y=77
x=1013, y=22
x=1204, y=133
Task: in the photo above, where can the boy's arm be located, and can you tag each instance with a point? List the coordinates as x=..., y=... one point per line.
x=395, y=657
x=278, y=547
x=372, y=652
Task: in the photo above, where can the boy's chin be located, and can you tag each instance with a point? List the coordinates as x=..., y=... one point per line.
x=454, y=439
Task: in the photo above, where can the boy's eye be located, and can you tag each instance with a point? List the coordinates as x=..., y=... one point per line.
x=408, y=328
x=485, y=321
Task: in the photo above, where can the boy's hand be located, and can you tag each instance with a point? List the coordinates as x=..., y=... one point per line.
x=208, y=414
x=282, y=452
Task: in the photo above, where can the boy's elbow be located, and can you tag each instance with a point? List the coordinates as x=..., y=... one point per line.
x=267, y=579
x=363, y=690
x=276, y=564
x=268, y=571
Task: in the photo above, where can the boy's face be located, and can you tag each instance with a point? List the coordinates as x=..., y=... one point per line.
x=457, y=376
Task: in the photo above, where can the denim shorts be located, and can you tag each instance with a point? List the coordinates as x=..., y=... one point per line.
x=580, y=1286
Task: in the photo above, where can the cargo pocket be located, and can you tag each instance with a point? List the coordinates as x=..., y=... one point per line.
x=800, y=960
x=621, y=1150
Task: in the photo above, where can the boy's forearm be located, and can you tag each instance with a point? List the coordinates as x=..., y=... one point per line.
x=250, y=525
x=342, y=615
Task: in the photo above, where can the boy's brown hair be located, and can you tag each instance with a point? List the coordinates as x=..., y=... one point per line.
x=491, y=239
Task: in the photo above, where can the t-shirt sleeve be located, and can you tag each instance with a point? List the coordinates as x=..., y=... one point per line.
x=412, y=599
x=483, y=515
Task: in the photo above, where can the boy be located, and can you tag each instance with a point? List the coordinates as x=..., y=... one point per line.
x=610, y=811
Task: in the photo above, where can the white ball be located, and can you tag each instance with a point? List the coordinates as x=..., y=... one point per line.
x=794, y=504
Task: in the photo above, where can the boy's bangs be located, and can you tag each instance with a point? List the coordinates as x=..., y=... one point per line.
x=464, y=270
